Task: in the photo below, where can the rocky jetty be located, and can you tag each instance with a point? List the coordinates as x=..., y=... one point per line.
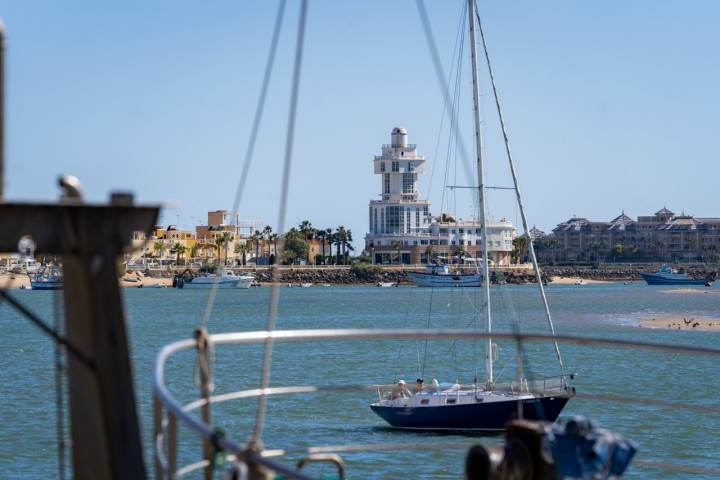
x=371, y=274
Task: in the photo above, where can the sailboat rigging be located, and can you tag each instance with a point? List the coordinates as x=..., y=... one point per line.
x=479, y=407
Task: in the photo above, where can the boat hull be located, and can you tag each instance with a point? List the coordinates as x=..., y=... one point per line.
x=491, y=416
x=654, y=279
x=442, y=280
x=221, y=284
x=48, y=285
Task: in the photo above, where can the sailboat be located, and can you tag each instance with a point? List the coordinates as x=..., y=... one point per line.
x=491, y=405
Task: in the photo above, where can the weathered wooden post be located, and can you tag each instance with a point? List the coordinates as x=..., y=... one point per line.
x=90, y=238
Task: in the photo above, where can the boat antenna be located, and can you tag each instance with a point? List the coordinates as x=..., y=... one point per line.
x=481, y=189
x=533, y=258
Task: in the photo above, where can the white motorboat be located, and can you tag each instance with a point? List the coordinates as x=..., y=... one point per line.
x=385, y=284
x=306, y=285
x=441, y=276
x=226, y=279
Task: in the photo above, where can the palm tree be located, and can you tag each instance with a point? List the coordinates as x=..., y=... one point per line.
x=396, y=244
x=308, y=233
x=219, y=242
x=460, y=253
x=159, y=246
x=267, y=233
x=429, y=253
x=226, y=239
x=329, y=237
x=244, y=248
x=341, y=241
x=274, y=238
x=322, y=235
x=179, y=251
x=257, y=238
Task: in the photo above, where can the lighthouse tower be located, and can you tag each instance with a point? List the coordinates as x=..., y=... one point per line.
x=399, y=214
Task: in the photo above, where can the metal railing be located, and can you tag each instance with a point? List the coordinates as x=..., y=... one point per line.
x=248, y=461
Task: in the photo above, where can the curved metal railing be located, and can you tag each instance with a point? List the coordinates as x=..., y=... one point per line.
x=248, y=461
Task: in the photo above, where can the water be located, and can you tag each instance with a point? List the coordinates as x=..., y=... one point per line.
x=159, y=316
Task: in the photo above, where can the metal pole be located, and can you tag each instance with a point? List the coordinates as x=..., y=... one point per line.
x=481, y=189
x=2, y=111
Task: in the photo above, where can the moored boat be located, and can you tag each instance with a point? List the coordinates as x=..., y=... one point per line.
x=226, y=279
x=48, y=277
x=666, y=275
x=441, y=276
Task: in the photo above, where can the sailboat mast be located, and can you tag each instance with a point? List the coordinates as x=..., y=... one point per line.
x=481, y=190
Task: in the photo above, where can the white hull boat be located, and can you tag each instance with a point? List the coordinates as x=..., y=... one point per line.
x=227, y=279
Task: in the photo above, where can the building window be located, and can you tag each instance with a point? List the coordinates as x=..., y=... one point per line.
x=382, y=221
x=408, y=182
x=382, y=166
x=417, y=218
x=386, y=183
x=395, y=166
x=408, y=214
x=375, y=226
x=393, y=221
x=411, y=167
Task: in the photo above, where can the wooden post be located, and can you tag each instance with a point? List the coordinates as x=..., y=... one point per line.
x=105, y=431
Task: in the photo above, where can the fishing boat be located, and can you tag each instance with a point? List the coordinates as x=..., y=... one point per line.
x=385, y=284
x=484, y=406
x=666, y=275
x=226, y=279
x=440, y=275
x=48, y=277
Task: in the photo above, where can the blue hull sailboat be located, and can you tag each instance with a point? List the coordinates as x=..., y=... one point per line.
x=476, y=414
x=489, y=405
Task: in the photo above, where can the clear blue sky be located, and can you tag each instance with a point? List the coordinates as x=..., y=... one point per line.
x=610, y=105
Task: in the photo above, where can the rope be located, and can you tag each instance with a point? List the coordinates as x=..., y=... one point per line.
x=35, y=320
x=275, y=292
x=259, y=109
x=508, y=151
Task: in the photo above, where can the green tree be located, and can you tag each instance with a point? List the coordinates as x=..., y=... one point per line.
x=179, y=250
x=159, y=247
x=267, y=235
x=322, y=235
x=429, y=253
x=244, y=249
x=520, y=245
x=397, y=245
x=308, y=232
x=257, y=238
x=295, y=246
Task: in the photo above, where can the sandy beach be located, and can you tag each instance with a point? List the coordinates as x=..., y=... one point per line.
x=677, y=322
x=695, y=291
x=12, y=281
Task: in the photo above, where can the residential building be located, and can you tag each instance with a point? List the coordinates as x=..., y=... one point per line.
x=661, y=237
x=400, y=222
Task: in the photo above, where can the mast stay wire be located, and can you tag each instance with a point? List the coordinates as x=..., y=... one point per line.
x=446, y=97
x=508, y=151
x=259, y=109
x=440, y=76
x=275, y=292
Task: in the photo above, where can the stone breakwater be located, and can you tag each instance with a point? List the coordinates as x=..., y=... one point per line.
x=372, y=274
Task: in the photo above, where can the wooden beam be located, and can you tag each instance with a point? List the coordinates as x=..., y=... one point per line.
x=106, y=443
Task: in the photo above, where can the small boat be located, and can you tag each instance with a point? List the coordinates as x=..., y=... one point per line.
x=48, y=277
x=226, y=279
x=326, y=285
x=441, y=276
x=385, y=284
x=669, y=276
x=306, y=285
x=580, y=282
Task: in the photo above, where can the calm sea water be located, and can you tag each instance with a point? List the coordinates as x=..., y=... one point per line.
x=159, y=316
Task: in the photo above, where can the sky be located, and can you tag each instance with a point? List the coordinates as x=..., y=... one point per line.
x=609, y=106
